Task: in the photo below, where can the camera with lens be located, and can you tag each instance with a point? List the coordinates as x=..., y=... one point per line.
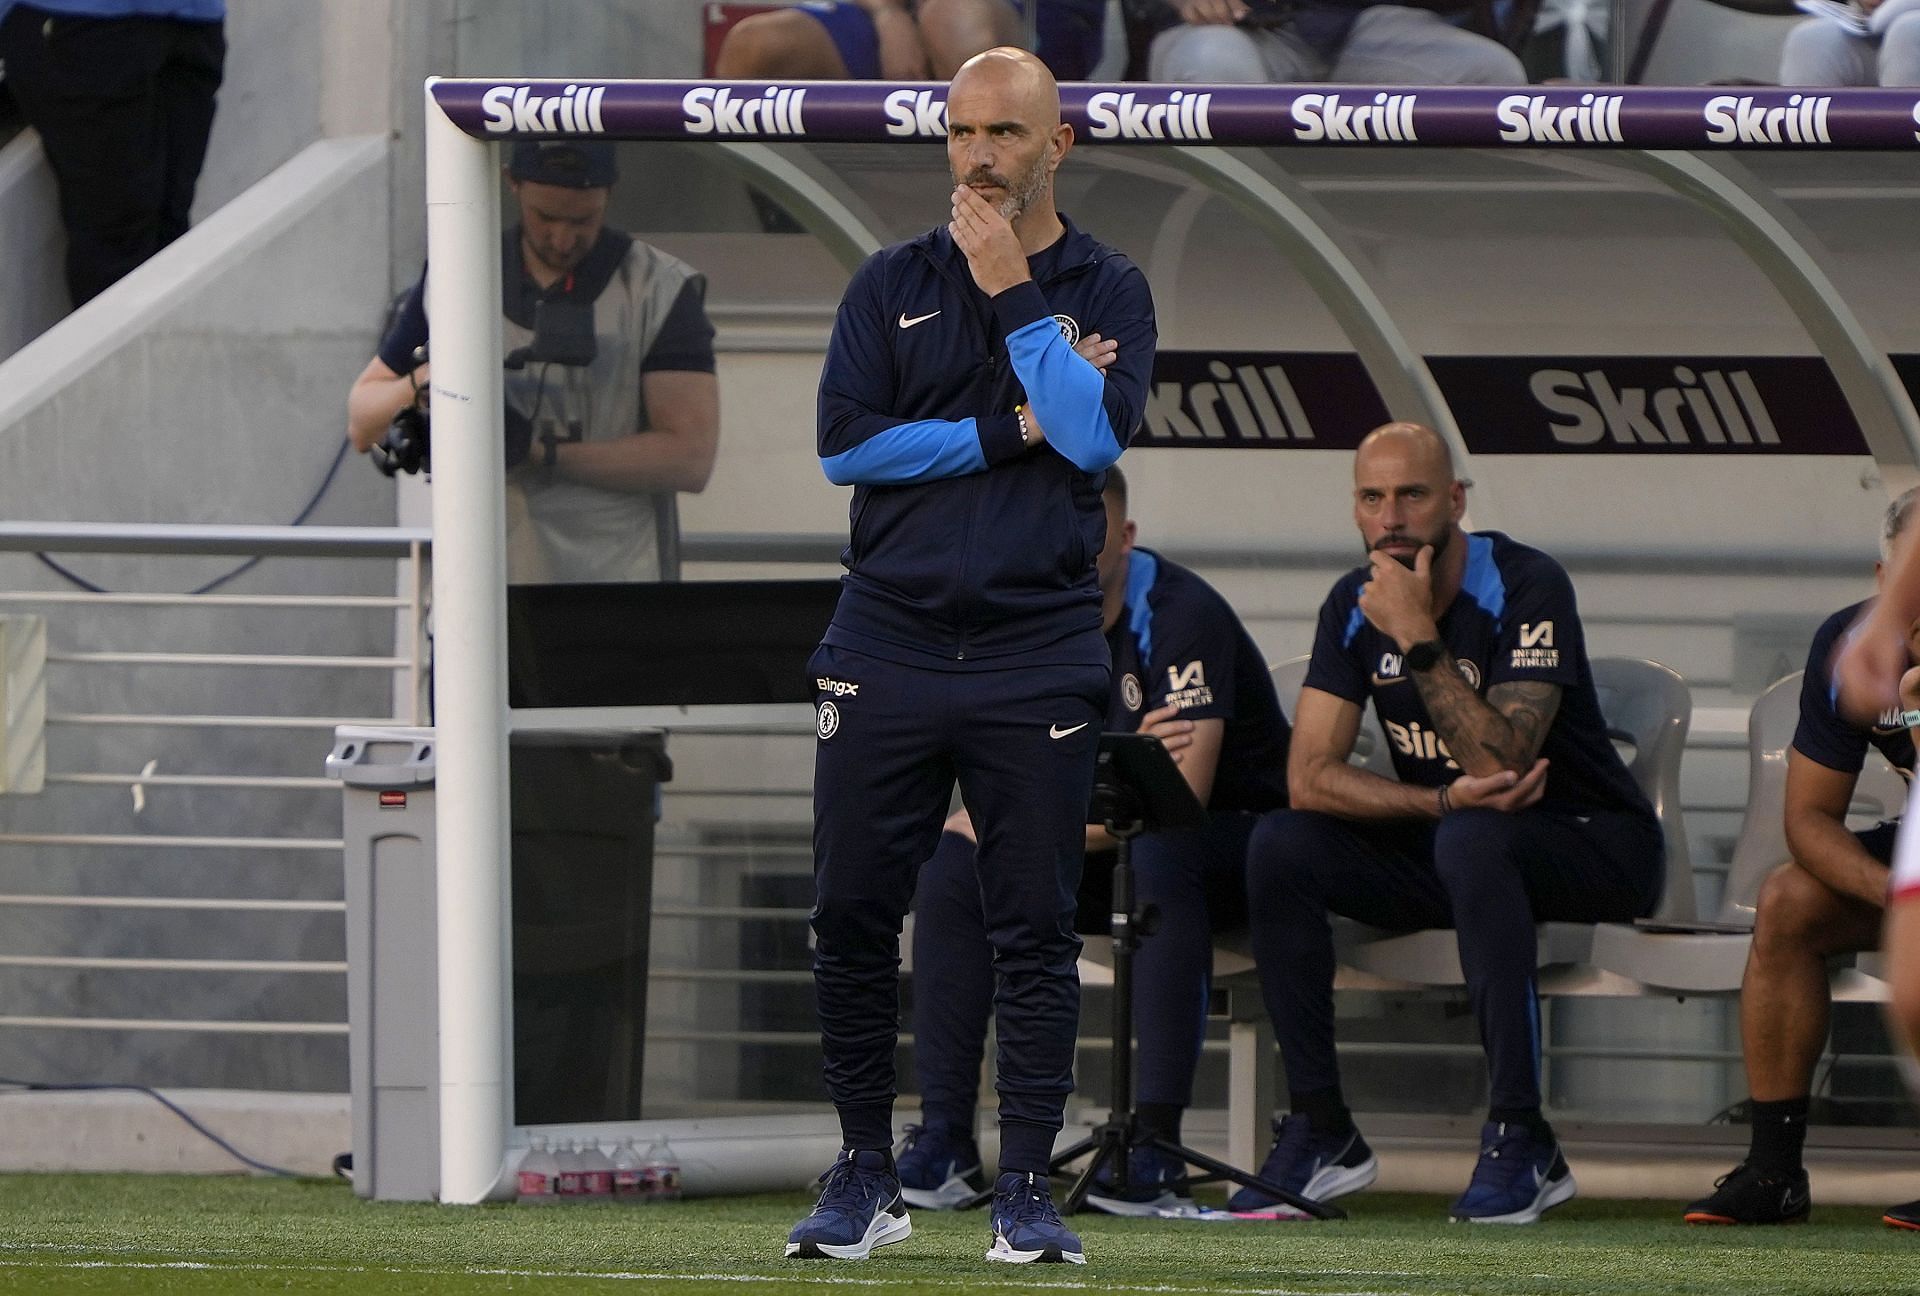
x=562, y=335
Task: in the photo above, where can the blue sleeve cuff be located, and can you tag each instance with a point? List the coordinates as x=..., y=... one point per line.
x=1000, y=438
x=1020, y=306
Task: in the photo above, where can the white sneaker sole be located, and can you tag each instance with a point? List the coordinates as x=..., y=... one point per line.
x=885, y=1230
x=1005, y=1254
x=1328, y=1183
x=947, y=1196
x=1337, y=1181
x=1551, y=1195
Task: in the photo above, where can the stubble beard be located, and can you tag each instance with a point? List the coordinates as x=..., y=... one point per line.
x=1021, y=193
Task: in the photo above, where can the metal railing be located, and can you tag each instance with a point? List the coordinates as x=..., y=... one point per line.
x=85, y=737
x=71, y=715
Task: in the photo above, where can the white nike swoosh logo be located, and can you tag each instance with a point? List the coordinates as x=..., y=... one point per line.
x=1381, y=681
x=906, y=323
x=1055, y=731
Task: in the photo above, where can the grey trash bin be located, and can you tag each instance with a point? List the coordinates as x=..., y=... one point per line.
x=392, y=1009
x=583, y=808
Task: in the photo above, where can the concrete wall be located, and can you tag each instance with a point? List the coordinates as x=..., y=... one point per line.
x=212, y=394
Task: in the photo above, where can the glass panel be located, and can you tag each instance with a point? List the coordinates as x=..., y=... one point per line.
x=1636, y=396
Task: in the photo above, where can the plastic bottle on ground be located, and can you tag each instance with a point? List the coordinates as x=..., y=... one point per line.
x=570, y=1184
x=629, y=1177
x=596, y=1173
x=535, y=1179
x=662, y=1171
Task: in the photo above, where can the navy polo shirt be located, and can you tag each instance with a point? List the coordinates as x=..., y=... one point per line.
x=1178, y=641
x=1822, y=735
x=1514, y=618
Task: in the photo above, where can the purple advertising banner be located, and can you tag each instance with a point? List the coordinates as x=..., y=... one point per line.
x=1708, y=117
x=1259, y=400
x=1665, y=405
x=1722, y=405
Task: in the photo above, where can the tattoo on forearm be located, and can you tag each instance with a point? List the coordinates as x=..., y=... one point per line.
x=1505, y=728
x=1529, y=707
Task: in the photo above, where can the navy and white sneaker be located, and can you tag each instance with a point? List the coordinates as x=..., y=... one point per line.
x=938, y=1167
x=1518, y=1178
x=1316, y=1166
x=1026, y=1227
x=1156, y=1181
x=859, y=1209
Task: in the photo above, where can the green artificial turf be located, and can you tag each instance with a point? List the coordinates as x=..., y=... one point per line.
x=116, y=1234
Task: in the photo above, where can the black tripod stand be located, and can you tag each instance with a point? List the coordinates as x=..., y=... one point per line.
x=1138, y=788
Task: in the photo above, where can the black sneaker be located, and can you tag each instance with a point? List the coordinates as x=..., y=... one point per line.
x=1905, y=1215
x=1517, y=1178
x=859, y=1209
x=1026, y=1224
x=1316, y=1166
x=1745, y=1196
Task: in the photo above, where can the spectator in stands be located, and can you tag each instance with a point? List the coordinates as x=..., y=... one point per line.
x=1828, y=899
x=1511, y=808
x=1349, y=42
x=902, y=41
x=1884, y=50
x=1186, y=671
x=122, y=93
x=613, y=405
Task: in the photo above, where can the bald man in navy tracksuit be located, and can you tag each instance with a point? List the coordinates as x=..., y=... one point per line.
x=967, y=644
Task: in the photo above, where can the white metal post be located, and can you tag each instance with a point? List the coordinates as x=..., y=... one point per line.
x=470, y=635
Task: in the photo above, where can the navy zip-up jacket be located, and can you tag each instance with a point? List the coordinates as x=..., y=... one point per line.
x=967, y=547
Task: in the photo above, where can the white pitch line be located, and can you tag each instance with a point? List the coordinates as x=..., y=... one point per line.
x=615, y=1276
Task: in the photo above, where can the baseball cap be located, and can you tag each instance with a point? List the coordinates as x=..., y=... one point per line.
x=571, y=164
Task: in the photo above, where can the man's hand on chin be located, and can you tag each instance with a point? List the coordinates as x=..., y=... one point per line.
x=992, y=248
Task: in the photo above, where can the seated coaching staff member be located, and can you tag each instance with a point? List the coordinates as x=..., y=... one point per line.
x=966, y=644
x=1828, y=899
x=1185, y=670
x=598, y=447
x=1512, y=808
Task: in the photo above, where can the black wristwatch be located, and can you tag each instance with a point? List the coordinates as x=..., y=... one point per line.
x=1425, y=655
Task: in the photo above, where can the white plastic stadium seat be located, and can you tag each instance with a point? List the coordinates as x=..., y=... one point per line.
x=1713, y=961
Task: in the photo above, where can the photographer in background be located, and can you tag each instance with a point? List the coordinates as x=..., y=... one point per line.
x=611, y=399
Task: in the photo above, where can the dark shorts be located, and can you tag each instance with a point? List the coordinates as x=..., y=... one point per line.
x=1070, y=31
x=1878, y=840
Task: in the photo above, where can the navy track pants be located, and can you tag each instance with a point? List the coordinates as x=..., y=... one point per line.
x=1490, y=876
x=893, y=741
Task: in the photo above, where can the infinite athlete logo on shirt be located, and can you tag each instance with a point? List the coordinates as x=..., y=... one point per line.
x=1536, y=650
x=1187, y=686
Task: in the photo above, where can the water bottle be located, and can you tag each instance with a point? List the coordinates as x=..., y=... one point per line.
x=596, y=1173
x=570, y=1184
x=661, y=1172
x=629, y=1174
x=535, y=1180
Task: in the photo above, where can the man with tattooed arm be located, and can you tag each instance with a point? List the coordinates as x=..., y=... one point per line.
x=1511, y=808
